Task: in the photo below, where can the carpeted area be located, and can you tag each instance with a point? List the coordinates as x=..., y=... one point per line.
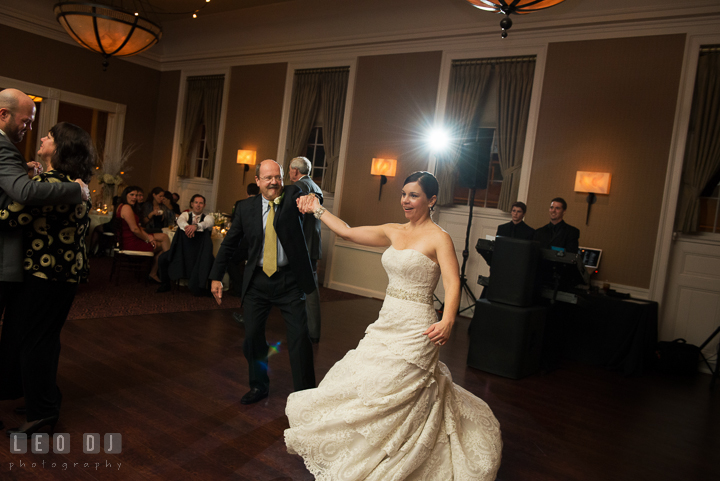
x=102, y=298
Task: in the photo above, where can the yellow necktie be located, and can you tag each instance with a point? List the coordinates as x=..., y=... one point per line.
x=270, y=253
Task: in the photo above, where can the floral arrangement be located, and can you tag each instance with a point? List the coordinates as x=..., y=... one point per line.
x=113, y=166
x=219, y=218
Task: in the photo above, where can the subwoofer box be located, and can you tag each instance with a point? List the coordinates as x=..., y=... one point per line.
x=513, y=272
x=506, y=340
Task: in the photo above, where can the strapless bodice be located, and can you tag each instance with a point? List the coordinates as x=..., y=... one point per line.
x=413, y=276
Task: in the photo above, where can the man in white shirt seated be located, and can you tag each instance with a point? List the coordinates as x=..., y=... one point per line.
x=189, y=255
x=194, y=220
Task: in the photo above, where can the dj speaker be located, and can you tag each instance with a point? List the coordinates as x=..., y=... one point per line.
x=474, y=162
x=513, y=272
x=506, y=340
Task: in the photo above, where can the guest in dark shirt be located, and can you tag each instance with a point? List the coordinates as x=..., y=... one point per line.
x=516, y=228
x=558, y=233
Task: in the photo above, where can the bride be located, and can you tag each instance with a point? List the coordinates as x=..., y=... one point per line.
x=389, y=409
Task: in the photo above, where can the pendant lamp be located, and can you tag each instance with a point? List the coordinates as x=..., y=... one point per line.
x=507, y=7
x=107, y=30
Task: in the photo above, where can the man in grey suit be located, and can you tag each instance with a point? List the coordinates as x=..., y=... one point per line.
x=300, y=168
x=17, y=113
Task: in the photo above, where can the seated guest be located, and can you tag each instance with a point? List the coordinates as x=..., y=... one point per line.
x=140, y=196
x=557, y=233
x=516, y=228
x=134, y=237
x=154, y=214
x=194, y=220
x=171, y=204
x=190, y=256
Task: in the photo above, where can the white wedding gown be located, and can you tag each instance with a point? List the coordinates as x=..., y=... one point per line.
x=389, y=409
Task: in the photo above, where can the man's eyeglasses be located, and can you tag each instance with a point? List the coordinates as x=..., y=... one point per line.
x=270, y=178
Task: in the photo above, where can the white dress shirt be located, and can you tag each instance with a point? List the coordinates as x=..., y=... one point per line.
x=206, y=224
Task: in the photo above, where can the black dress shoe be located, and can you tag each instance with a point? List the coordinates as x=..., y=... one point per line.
x=238, y=317
x=35, y=427
x=254, y=395
x=315, y=340
x=163, y=288
x=152, y=280
x=21, y=410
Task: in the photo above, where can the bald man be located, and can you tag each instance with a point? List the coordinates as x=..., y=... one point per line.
x=17, y=113
x=278, y=273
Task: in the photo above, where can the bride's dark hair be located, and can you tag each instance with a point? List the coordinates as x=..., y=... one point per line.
x=427, y=181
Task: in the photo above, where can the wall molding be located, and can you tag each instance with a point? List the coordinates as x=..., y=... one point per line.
x=621, y=22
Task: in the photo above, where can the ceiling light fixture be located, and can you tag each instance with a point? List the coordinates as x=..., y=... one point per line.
x=507, y=7
x=107, y=30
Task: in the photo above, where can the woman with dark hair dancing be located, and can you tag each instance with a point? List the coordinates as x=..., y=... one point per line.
x=389, y=408
x=55, y=263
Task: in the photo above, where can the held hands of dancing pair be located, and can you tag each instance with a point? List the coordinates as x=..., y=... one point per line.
x=308, y=204
x=35, y=168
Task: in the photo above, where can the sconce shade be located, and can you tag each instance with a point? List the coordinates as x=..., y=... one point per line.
x=246, y=157
x=107, y=30
x=592, y=182
x=384, y=167
x=513, y=6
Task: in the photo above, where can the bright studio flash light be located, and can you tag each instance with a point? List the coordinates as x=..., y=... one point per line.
x=438, y=140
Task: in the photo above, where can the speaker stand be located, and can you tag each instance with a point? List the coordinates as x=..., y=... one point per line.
x=715, y=371
x=464, y=288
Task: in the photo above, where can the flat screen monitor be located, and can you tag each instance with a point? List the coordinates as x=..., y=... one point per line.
x=590, y=256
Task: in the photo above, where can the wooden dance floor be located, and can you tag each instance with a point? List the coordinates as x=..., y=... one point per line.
x=171, y=384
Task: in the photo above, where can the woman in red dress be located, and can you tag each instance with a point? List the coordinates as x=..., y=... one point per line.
x=134, y=238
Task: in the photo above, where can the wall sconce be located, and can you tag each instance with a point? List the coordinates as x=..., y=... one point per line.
x=592, y=183
x=384, y=168
x=247, y=158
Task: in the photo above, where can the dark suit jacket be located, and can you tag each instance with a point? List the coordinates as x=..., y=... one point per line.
x=247, y=222
x=311, y=225
x=561, y=235
x=516, y=231
x=15, y=185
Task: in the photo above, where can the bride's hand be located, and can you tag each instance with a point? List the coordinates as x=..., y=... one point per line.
x=308, y=204
x=438, y=333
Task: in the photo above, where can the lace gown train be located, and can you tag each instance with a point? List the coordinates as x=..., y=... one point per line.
x=389, y=409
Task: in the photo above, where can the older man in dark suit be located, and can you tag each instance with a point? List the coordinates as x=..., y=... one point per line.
x=278, y=273
x=300, y=168
x=17, y=113
x=558, y=233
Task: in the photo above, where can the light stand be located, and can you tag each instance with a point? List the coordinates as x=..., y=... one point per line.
x=715, y=371
x=464, y=288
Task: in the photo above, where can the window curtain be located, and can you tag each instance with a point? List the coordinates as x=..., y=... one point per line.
x=203, y=105
x=333, y=91
x=515, y=88
x=212, y=109
x=306, y=96
x=468, y=80
x=702, y=153
x=325, y=89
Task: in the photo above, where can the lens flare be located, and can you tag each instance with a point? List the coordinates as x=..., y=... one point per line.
x=438, y=140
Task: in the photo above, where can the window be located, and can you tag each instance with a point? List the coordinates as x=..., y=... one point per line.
x=316, y=154
x=492, y=94
x=202, y=156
